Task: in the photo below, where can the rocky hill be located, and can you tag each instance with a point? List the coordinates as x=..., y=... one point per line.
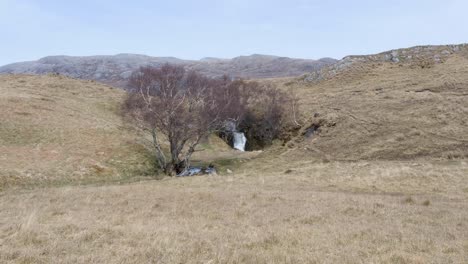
x=115, y=70
x=419, y=56
x=397, y=105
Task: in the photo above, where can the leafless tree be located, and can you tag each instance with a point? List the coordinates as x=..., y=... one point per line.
x=183, y=106
x=294, y=102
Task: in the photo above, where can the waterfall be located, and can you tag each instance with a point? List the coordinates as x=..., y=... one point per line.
x=238, y=138
x=239, y=141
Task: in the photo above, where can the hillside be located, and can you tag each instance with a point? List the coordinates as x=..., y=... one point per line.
x=56, y=129
x=115, y=70
x=382, y=109
x=420, y=56
x=371, y=110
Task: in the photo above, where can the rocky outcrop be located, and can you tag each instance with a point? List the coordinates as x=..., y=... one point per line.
x=420, y=56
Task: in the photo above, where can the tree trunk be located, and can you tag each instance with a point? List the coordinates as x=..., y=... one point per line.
x=170, y=169
x=160, y=158
x=173, y=167
x=188, y=155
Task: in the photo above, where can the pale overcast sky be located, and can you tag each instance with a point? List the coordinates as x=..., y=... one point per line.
x=31, y=29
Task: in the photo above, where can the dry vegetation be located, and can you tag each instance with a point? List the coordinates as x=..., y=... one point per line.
x=318, y=213
x=56, y=130
x=387, y=111
x=60, y=131
x=383, y=181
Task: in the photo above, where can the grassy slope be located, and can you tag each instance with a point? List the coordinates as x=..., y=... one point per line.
x=388, y=111
x=55, y=129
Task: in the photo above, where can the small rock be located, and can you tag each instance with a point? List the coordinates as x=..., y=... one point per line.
x=211, y=170
x=394, y=56
x=229, y=171
x=191, y=171
x=99, y=168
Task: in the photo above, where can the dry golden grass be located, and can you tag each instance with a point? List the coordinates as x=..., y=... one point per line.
x=318, y=213
x=388, y=111
x=56, y=130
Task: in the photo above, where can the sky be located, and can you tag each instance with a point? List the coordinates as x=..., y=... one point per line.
x=31, y=29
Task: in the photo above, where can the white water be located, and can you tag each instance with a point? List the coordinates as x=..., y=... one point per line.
x=239, y=141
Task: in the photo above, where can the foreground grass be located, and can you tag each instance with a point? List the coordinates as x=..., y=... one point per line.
x=380, y=212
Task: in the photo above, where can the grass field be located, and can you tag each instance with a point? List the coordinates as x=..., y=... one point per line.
x=384, y=212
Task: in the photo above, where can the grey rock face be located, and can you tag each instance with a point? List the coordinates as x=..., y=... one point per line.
x=394, y=56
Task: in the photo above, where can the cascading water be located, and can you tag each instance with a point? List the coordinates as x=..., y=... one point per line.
x=239, y=140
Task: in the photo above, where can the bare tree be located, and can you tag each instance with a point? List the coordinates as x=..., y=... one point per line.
x=294, y=102
x=183, y=106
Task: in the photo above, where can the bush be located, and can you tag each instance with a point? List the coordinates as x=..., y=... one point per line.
x=266, y=116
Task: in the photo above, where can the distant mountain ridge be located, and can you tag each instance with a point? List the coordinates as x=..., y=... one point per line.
x=116, y=69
